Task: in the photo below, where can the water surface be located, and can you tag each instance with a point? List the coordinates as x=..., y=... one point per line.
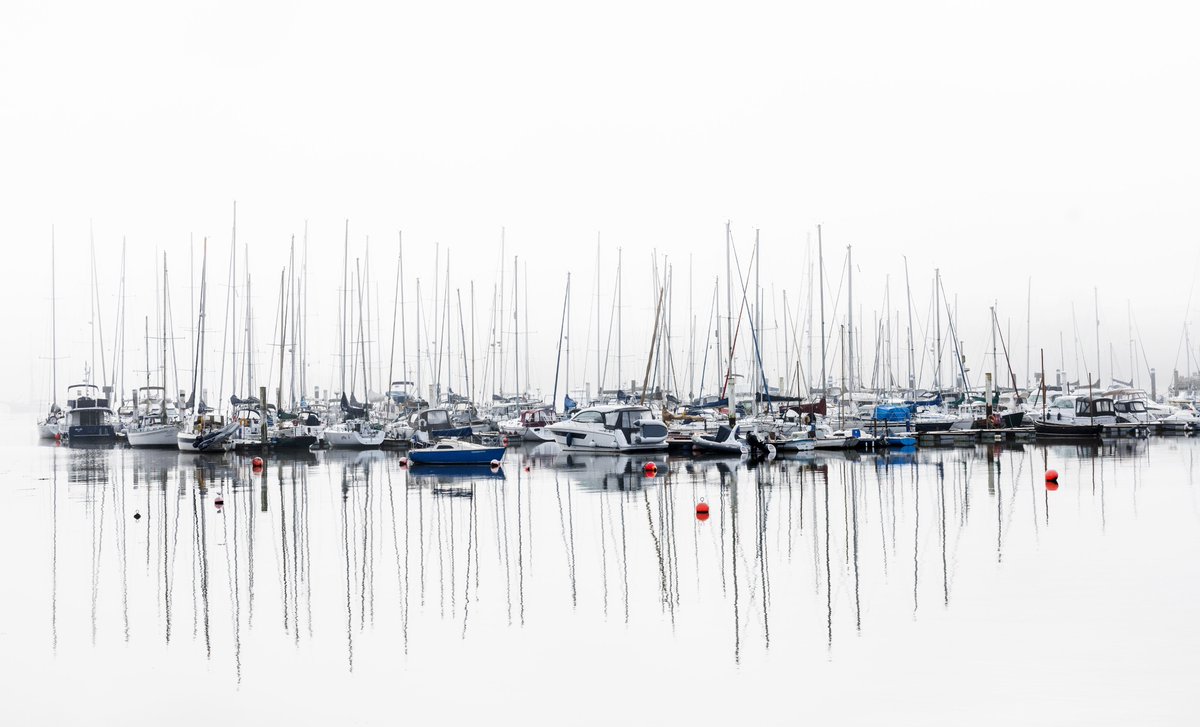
x=942, y=586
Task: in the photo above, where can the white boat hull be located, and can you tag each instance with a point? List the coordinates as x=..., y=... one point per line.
x=48, y=431
x=342, y=439
x=185, y=441
x=163, y=435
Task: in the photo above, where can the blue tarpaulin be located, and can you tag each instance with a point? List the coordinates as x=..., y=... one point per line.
x=894, y=412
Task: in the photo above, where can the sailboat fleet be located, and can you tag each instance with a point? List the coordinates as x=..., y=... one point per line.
x=714, y=399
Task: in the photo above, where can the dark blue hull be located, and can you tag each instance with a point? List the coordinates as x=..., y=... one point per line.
x=92, y=433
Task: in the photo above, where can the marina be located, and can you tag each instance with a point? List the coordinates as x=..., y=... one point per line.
x=347, y=572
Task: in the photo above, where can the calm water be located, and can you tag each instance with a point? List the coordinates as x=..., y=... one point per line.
x=945, y=586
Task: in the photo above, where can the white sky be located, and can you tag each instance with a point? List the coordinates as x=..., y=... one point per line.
x=995, y=140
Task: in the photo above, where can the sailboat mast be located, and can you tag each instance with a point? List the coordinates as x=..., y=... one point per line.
x=821, y=285
x=53, y=324
x=937, y=317
x=403, y=333
x=395, y=307
x=850, y=316
x=516, y=335
x=912, y=376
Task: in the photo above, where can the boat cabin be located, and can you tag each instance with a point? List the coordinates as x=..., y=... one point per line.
x=1092, y=407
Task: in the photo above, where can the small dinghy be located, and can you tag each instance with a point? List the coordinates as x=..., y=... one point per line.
x=725, y=441
x=454, y=451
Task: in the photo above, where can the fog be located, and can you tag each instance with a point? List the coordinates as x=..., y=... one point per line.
x=1042, y=156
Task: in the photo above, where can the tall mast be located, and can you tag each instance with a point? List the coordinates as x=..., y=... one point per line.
x=821, y=285
x=1028, y=327
x=1096, y=293
x=53, y=325
x=163, y=322
x=620, y=300
x=937, y=316
x=516, y=334
x=599, y=367
x=728, y=311
x=395, y=307
x=345, y=301
x=403, y=333
x=850, y=316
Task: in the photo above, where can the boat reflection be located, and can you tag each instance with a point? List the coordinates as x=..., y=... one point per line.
x=397, y=560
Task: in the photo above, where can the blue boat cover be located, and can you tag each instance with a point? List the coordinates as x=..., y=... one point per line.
x=894, y=412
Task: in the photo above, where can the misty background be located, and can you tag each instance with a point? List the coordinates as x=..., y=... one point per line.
x=1041, y=155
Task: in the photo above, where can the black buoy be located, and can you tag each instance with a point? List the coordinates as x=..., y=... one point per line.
x=137, y=515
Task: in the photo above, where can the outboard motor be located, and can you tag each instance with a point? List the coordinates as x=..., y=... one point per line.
x=760, y=448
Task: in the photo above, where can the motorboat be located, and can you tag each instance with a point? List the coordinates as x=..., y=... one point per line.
x=355, y=434
x=795, y=442
x=455, y=452
x=436, y=424
x=723, y=441
x=530, y=426
x=1086, y=420
x=89, y=418
x=611, y=428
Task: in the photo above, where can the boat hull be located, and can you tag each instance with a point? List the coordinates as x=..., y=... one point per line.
x=159, y=436
x=92, y=433
x=1067, y=431
x=353, y=440
x=481, y=456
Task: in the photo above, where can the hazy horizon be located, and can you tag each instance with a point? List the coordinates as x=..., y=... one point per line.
x=1031, y=153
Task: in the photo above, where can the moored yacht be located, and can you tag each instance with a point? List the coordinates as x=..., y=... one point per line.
x=89, y=418
x=611, y=428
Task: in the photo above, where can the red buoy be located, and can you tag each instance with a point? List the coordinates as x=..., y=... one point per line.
x=495, y=465
x=650, y=469
x=526, y=468
x=404, y=461
x=702, y=511
x=257, y=462
x=1051, y=485
x=219, y=501
x=58, y=436
x=504, y=441
x=1052, y=475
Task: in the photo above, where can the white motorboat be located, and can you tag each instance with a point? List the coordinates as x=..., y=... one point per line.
x=530, y=426
x=796, y=442
x=355, y=434
x=611, y=428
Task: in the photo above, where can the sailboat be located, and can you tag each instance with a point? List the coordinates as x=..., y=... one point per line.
x=204, y=430
x=156, y=422
x=52, y=425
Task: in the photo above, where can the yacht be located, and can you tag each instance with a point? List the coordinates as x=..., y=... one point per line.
x=611, y=428
x=89, y=418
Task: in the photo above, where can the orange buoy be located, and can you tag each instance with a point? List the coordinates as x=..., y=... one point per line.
x=1051, y=485
x=1052, y=475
